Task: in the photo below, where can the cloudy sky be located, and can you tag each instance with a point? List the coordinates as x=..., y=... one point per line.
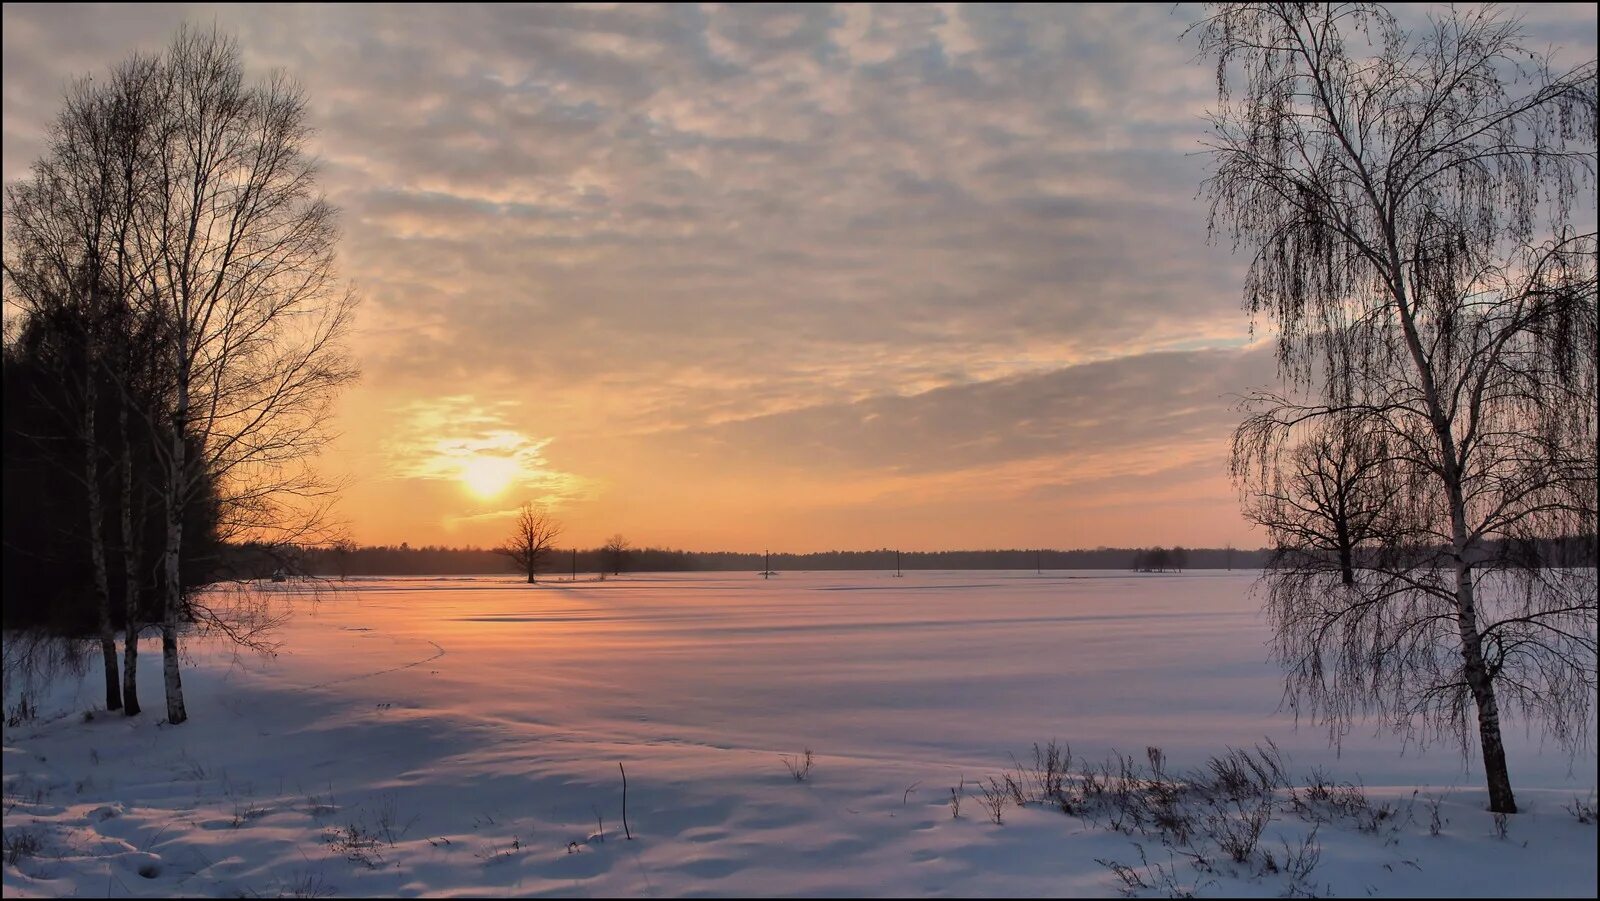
x=759, y=276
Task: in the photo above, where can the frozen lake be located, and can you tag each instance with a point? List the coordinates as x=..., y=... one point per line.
x=488, y=718
x=958, y=668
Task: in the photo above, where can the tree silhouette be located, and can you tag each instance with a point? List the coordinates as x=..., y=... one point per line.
x=532, y=539
x=1321, y=499
x=615, y=553
x=1410, y=204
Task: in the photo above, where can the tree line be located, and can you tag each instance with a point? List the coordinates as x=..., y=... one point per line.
x=438, y=560
x=174, y=348
x=425, y=560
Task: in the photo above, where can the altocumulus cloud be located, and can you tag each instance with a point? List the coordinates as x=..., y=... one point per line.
x=730, y=211
x=658, y=219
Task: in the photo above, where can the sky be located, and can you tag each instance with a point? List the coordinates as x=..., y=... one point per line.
x=759, y=276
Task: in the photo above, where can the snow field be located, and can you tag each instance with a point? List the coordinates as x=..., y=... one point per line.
x=462, y=737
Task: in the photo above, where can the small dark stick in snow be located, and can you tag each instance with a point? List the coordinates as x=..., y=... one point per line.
x=626, y=831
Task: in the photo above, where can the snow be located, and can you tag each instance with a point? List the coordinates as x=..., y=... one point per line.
x=473, y=727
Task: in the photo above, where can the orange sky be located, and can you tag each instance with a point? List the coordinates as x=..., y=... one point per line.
x=934, y=472
x=800, y=278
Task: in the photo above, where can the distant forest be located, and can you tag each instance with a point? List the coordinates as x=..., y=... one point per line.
x=247, y=562
x=404, y=560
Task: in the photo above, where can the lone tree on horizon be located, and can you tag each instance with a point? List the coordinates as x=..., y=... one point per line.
x=615, y=553
x=1324, y=501
x=1419, y=210
x=532, y=539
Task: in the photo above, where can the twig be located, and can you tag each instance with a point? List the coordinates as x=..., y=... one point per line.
x=626, y=831
x=907, y=796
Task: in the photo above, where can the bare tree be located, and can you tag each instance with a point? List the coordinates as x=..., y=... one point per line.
x=342, y=550
x=1321, y=499
x=181, y=197
x=1412, y=203
x=67, y=264
x=532, y=540
x=241, y=244
x=616, y=553
x=130, y=98
x=1152, y=560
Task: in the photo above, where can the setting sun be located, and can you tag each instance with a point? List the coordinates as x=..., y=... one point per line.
x=488, y=477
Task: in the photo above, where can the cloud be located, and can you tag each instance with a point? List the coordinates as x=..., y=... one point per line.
x=460, y=439
x=1079, y=417
x=903, y=240
x=829, y=202
x=492, y=516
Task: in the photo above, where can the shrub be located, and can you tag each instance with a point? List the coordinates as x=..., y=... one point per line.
x=19, y=843
x=356, y=845
x=1238, y=832
x=24, y=711
x=799, y=767
x=993, y=796
x=1583, y=809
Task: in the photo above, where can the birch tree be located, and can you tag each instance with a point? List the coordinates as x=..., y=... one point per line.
x=60, y=225
x=132, y=103
x=1418, y=208
x=242, y=247
x=173, y=232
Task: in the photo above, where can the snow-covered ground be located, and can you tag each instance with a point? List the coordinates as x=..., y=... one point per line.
x=463, y=736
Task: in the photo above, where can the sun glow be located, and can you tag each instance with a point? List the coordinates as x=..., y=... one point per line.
x=475, y=447
x=488, y=477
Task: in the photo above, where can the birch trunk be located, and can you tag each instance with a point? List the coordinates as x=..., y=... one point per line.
x=95, y=534
x=130, y=573
x=1479, y=679
x=1481, y=682
x=173, y=590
